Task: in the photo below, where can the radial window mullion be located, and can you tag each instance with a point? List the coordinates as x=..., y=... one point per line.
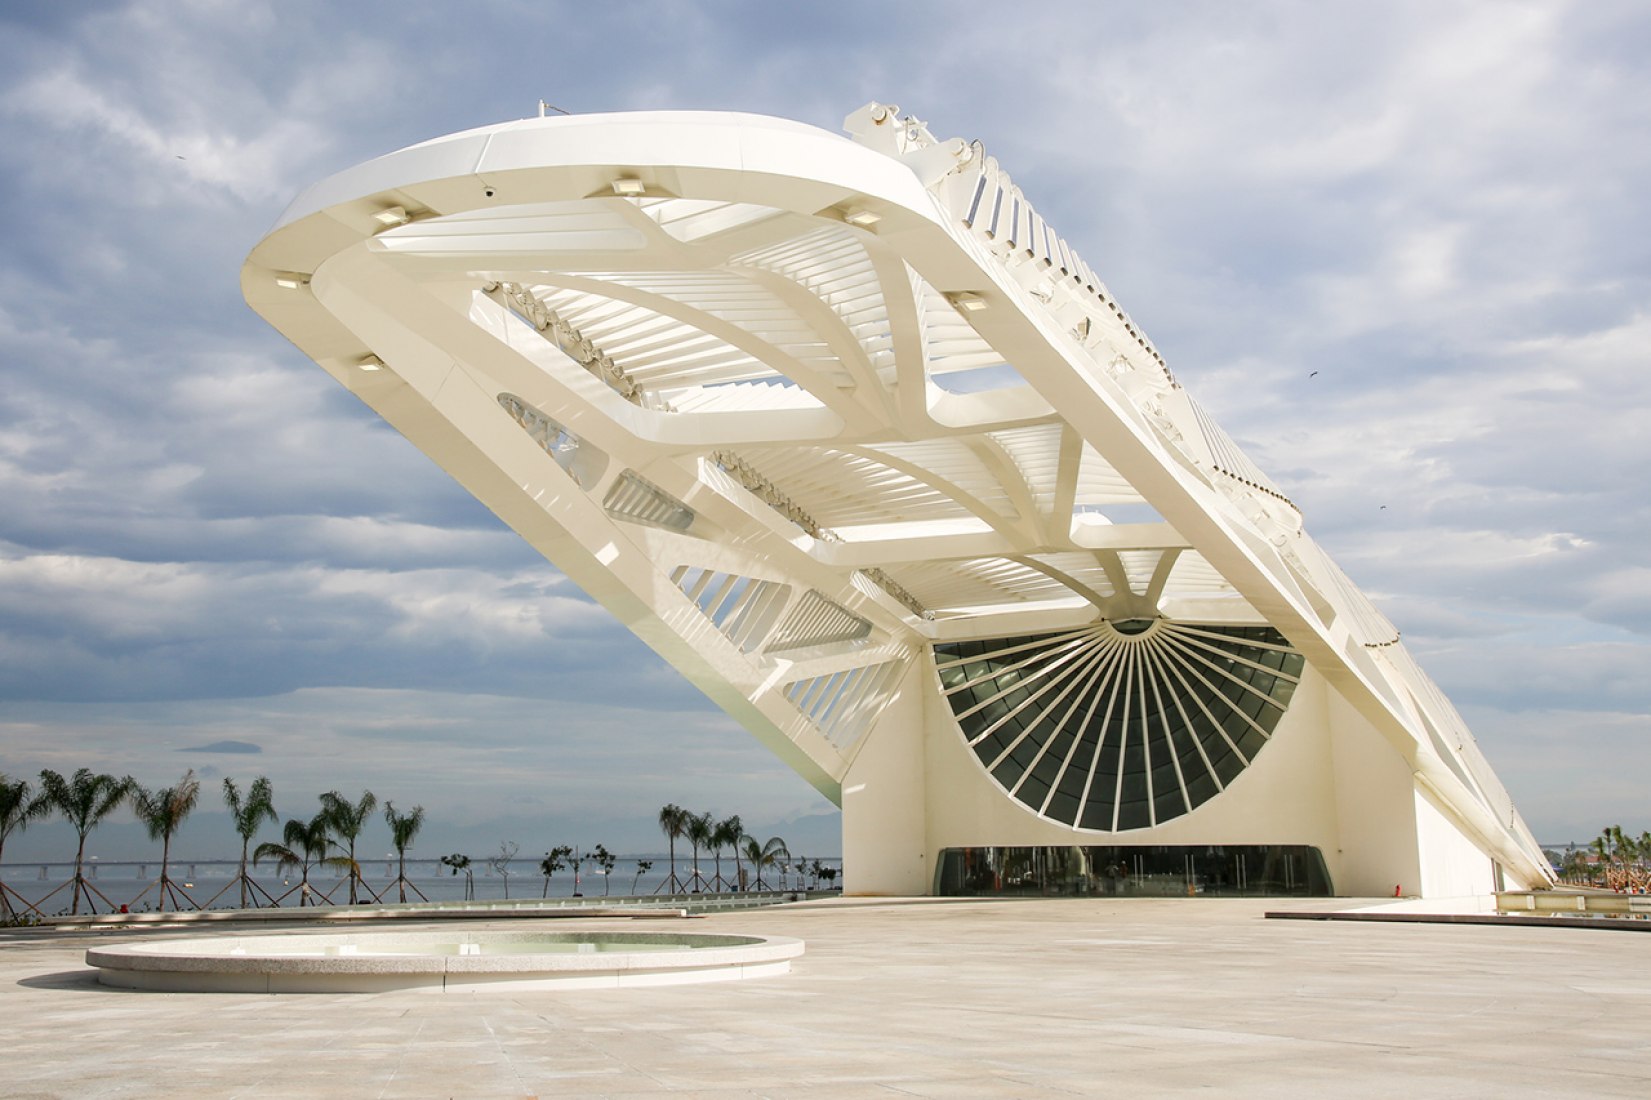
x=1031, y=698
x=1181, y=638
x=1082, y=674
x=1192, y=729
x=1123, y=736
x=1037, y=643
x=1146, y=736
x=1227, y=675
x=1102, y=689
x=1169, y=735
x=1219, y=726
x=1182, y=628
x=1106, y=727
x=1038, y=671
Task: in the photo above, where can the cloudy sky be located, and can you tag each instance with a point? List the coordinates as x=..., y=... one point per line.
x=205, y=544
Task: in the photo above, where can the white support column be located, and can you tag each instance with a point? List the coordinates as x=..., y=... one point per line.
x=884, y=835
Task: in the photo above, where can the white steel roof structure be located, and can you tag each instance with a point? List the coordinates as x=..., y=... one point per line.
x=861, y=445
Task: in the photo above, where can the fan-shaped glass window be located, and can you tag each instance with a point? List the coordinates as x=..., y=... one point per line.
x=1120, y=726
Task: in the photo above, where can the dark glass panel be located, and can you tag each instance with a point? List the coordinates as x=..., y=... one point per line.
x=1249, y=741
x=1063, y=807
x=1181, y=871
x=1134, y=815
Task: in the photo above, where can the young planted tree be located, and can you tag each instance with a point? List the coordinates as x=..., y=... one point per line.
x=555, y=860
x=403, y=828
x=605, y=860
x=162, y=811
x=248, y=812
x=19, y=805
x=347, y=819
x=501, y=862
x=457, y=862
x=673, y=821
x=304, y=844
x=84, y=800
x=643, y=866
x=698, y=828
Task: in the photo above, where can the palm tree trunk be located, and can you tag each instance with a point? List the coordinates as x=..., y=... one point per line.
x=674, y=882
x=244, y=842
x=80, y=855
x=166, y=857
x=401, y=871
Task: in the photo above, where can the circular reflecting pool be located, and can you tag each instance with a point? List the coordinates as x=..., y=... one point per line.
x=371, y=962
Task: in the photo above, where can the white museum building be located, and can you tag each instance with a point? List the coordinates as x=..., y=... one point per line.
x=853, y=439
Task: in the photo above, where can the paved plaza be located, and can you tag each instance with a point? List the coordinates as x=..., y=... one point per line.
x=923, y=998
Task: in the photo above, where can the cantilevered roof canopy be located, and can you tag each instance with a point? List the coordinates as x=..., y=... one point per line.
x=798, y=407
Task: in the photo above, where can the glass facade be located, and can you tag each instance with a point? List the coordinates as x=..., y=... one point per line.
x=1156, y=871
x=1119, y=725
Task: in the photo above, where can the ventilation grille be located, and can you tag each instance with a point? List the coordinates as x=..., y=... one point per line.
x=818, y=621
x=742, y=608
x=1119, y=726
x=632, y=498
x=845, y=704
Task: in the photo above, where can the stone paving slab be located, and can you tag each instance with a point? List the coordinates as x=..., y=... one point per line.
x=1039, y=998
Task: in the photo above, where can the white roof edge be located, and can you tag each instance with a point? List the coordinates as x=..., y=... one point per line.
x=633, y=136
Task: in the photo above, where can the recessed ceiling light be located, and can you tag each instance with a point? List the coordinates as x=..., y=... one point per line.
x=392, y=215
x=291, y=282
x=371, y=362
x=630, y=188
x=968, y=301
x=865, y=219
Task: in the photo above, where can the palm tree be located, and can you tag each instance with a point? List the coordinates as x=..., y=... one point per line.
x=698, y=827
x=84, y=800
x=458, y=861
x=643, y=866
x=18, y=806
x=717, y=841
x=554, y=861
x=673, y=821
x=161, y=812
x=764, y=855
x=727, y=835
x=304, y=844
x=248, y=813
x=346, y=820
x=403, y=828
